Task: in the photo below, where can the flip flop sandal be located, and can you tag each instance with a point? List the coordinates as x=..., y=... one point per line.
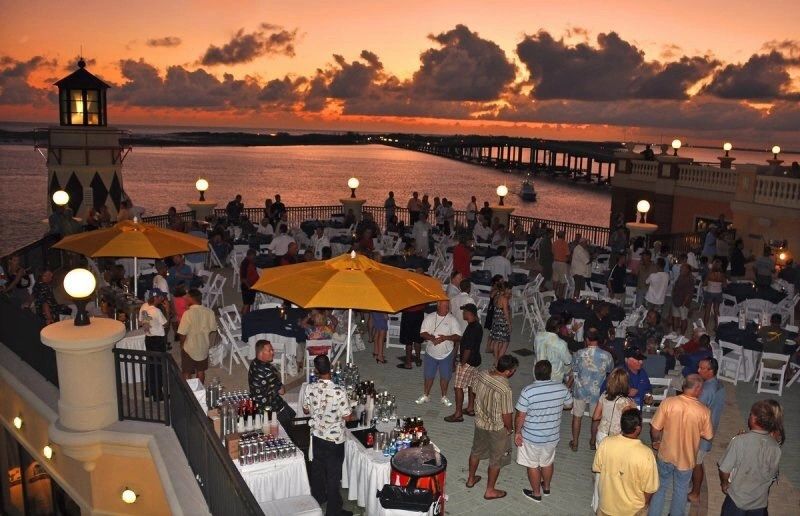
x=477, y=479
x=495, y=497
x=573, y=446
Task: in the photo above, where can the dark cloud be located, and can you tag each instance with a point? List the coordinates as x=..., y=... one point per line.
x=788, y=47
x=245, y=47
x=72, y=64
x=282, y=93
x=166, y=41
x=762, y=77
x=182, y=88
x=614, y=69
x=14, y=86
x=466, y=67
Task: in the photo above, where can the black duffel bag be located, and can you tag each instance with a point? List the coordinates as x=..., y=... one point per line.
x=405, y=498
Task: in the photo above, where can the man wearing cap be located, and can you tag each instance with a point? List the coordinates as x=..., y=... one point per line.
x=196, y=325
x=154, y=322
x=638, y=380
x=468, y=362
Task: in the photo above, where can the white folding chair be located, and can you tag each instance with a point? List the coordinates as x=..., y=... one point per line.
x=393, y=332
x=230, y=315
x=630, y=298
x=535, y=248
x=661, y=390
x=476, y=263
x=520, y=251
x=238, y=349
x=767, y=375
x=326, y=343
x=213, y=259
x=214, y=295
x=730, y=363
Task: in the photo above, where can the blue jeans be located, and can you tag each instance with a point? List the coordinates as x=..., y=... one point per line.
x=681, y=483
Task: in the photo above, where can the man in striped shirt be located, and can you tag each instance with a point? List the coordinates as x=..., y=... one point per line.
x=537, y=423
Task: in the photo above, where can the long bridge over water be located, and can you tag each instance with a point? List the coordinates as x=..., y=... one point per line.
x=590, y=162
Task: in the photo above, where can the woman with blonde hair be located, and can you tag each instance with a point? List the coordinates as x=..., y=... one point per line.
x=500, y=334
x=607, y=414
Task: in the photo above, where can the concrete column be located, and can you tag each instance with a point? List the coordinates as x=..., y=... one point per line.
x=503, y=213
x=204, y=208
x=86, y=375
x=350, y=203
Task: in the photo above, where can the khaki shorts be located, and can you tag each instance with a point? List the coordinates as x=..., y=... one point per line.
x=579, y=407
x=536, y=455
x=465, y=376
x=680, y=311
x=192, y=366
x=492, y=445
x=560, y=269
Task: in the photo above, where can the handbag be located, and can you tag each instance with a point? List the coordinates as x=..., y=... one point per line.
x=405, y=498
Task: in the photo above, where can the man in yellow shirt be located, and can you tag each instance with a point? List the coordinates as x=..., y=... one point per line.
x=676, y=429
x=196, y=325
x=627, y=468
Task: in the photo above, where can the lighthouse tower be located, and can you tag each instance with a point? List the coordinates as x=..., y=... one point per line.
x=84, y=155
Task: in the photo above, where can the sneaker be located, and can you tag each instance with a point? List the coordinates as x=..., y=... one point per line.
x=422, y=399
x=529, y=494
x=446, y=402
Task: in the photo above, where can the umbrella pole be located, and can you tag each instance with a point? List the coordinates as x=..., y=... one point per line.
x=135, y=277
x=349, y=333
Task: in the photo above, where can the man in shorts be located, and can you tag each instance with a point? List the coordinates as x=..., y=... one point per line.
x=467, y=366
x=493, y=424
x=196, y=325
x=441, y=331
x=410, y=323
x=537, y=423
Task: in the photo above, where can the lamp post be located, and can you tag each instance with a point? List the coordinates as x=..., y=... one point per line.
x=60, y=198
x=726, y=160
x=775, y=151
x=352, y=184
x=201, y=185
x=502, y=191
x=775, y=162
x=642, y=207
x=676, y=144
x=79, y=284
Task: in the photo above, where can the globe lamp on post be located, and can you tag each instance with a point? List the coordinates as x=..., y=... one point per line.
x=352, y=184
x=201, y=185
x=129, y=495
x=60, y=198
x=727, y=146
x=79, y=285
x=642, y=207
x=676, y=144
x=502, y=191
x=775, y=151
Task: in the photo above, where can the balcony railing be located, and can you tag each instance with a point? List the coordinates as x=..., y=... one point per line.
x=777, y=191
x=19, y=332
x=707, y=178
x=162, y=221
x=644, y=170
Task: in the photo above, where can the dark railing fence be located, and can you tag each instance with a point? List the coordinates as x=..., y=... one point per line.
x=132, y=370
x=222, y=485
x=162, y=221
x=19, y=332
x=39, y=254
x=680, y=243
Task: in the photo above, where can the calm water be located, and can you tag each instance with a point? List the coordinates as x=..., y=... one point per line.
x=158, y=178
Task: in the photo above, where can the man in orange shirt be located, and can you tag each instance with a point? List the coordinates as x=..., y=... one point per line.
x=560, y=263
x=676, y=429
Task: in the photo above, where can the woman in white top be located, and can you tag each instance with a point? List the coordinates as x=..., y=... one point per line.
x=712, y=296
x=607, y=415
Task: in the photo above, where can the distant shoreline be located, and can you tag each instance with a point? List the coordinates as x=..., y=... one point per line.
x=211, y=139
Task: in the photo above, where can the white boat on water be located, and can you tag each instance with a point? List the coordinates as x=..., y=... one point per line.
x=527, y=192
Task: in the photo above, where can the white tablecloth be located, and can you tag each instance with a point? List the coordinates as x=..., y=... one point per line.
x=364, y=473
x=133, y=340
x=277, y=479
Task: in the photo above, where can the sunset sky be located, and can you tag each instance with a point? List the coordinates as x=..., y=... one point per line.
x=702, y=70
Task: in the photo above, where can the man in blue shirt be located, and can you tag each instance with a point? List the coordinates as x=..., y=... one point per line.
x=537, y=424
x=713, y=397
x=638, y=381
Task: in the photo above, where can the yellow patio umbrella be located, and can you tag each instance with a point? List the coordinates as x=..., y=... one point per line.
x=134, y=239
x=350, y=281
